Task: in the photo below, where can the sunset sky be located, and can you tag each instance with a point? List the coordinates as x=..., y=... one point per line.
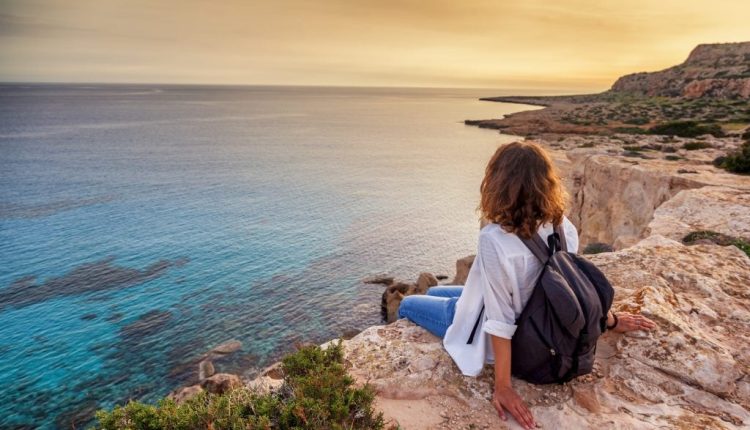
x=566, y=45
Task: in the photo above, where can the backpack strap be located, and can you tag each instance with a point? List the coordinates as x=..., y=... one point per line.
x=561, y=234
x=537, y=247
x=476, y=326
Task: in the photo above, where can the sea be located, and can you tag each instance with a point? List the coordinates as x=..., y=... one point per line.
x=143, y=225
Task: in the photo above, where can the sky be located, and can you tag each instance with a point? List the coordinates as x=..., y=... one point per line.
x=569, y=45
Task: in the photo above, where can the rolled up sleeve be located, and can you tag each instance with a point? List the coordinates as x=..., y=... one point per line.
x=497, y=289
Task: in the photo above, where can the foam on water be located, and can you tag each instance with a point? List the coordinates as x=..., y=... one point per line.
x=141, y=226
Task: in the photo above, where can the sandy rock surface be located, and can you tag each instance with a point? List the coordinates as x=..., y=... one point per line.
x=691, y=373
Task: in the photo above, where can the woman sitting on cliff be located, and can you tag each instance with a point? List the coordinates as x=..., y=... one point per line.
x=521, y=195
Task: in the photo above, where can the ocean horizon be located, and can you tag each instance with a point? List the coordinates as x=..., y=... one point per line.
x=143, y=225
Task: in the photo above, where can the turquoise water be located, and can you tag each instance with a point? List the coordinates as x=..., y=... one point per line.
x=142, y=225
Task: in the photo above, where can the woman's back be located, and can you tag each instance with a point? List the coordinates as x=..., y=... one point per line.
x=502, y=278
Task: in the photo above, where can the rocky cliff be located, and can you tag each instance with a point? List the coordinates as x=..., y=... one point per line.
x=690, y=373
x=711, y=70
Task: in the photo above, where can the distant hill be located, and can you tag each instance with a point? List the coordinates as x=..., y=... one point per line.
x=720, y=70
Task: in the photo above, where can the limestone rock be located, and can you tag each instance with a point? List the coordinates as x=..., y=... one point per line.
x=463, y=265
x=220, y=383
x=425, y=281
x=721, y=209
x=392, y=299
x=614, y=200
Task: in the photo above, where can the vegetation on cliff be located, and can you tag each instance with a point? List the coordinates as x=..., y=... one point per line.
x=317, y=393
x=708, y=236
x=710, y=92
x=739, y=161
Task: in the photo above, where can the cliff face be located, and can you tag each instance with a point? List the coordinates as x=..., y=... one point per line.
x=614, y=198
x=711, y=70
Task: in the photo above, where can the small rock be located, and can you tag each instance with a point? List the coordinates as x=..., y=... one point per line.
x=181, y=395
x=205, y=369
x=220, y=383
x=392, y=297
x=463, y=265
x=425, y=281
x=378, y=279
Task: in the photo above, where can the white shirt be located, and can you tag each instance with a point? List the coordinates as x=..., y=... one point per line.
x=502, y=278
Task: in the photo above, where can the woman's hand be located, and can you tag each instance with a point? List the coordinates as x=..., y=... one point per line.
x=505, y=398
x=631, y=322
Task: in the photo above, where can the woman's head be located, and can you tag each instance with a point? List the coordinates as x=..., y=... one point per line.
x=521, y=189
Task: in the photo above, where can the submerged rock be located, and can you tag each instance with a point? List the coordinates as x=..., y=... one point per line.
x=205, y=369
x=227, y=347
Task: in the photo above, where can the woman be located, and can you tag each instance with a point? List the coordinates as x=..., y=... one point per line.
x=521, y=195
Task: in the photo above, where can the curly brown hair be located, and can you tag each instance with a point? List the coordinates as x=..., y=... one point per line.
x=521, y=189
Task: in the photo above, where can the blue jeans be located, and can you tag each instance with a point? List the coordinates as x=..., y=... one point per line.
x=433, y=311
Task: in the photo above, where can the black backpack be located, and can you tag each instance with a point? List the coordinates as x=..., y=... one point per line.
x=556, y=334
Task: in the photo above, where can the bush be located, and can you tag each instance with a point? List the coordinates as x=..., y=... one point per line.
x=317, y=393
x=636, y=121
x=633, y=148
x=738, y=162
x=630, y=130
x=686, y=129
x=692, y=146
x=717, y=238
x=597, y=248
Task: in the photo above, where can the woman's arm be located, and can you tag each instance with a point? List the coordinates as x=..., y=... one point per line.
x=504, y=396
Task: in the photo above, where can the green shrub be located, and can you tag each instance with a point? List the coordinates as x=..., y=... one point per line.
x=738, y=162
x=717, y=238
x=630, y=130
x=686, y=129
x=317, y=393
x=636, y=121
x=633, y=148
x=597, y=248
x=692, y=146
